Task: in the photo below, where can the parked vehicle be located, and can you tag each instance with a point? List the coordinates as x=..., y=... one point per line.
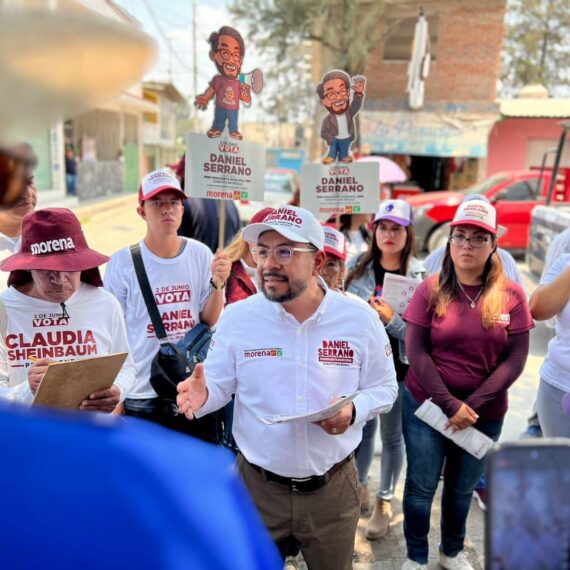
x=552, y=218
x=547, y=223
x=280, y=185
x=513, y=193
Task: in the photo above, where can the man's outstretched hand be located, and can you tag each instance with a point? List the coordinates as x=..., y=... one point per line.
x=192, y=393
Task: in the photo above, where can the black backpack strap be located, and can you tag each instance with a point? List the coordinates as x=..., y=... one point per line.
x=146, y=291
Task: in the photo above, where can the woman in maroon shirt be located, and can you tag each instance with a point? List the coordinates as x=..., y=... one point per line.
x=467, y=341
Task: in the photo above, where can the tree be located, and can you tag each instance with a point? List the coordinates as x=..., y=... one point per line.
x=537, y=45
x=348, y=30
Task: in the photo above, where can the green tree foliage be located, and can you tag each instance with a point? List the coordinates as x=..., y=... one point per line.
x=348, y=29
x=537, y=45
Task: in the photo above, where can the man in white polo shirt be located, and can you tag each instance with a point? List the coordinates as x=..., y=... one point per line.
x=187, y=283
x=290, y=351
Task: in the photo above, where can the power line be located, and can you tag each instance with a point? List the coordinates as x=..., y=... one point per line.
x=165, y=37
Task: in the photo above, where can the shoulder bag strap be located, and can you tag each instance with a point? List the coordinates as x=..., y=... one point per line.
x=146, y=291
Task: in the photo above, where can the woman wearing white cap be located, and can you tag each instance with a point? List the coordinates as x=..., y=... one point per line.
x=390, y=251
x=467, y=341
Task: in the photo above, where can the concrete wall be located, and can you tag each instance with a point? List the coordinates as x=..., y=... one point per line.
x=100, y=178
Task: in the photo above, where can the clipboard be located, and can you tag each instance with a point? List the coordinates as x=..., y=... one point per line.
x=67, y=384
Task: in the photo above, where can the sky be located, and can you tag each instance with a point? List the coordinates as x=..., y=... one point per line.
x=175, y=18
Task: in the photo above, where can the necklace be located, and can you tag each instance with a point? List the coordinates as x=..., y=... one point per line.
x=473, y=301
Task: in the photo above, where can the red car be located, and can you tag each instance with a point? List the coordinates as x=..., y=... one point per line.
x=513, y=193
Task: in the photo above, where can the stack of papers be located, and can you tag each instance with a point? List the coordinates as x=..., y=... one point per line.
x=398, y=290
x=316, y=416
x=470, y=439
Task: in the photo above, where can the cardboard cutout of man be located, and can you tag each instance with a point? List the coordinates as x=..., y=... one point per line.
x=227, y=51
x=338, y=128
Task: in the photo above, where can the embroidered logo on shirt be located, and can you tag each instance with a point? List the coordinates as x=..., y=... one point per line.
x=388, y=349
x=263, y=352
x=335, y=352
x=503, y=319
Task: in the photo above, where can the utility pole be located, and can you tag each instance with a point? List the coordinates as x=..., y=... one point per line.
x=194, y=60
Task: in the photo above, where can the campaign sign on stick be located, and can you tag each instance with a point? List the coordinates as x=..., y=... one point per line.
x=224, y=169
x=340, y=188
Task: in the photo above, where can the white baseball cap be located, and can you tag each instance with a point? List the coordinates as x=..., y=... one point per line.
x=398, y=211
x=335, y=242
x=479, y=213
x=159, y=181
x=291, y=222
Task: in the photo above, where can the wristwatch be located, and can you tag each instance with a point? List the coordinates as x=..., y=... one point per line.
x=214, y=286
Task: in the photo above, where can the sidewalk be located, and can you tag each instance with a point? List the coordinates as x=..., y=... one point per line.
x=389, y=553
x=84, y=208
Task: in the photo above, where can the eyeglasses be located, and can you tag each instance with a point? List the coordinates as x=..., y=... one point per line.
x=161, y=204
x=475, y=241
x=283, y=254
x=227, y=55
x=333, y=95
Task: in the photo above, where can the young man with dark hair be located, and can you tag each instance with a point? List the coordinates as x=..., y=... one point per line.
x=187, y=282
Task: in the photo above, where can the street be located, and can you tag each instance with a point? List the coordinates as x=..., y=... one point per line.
x=112, y=225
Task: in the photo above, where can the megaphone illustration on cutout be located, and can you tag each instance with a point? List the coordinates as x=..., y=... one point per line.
x=254, y=79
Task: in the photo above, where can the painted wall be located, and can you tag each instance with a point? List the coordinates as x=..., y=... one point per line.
x=510, y=138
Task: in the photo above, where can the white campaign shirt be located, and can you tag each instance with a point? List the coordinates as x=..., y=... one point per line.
x=181, y=287
x=342, y=127
x=36, y=330
x=8, y=246
x=275, y=365
x=556, y=367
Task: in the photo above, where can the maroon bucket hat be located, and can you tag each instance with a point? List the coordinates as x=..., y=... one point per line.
x=52, y=239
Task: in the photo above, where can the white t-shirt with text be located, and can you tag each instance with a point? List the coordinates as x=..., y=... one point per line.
x=181, y=287
x=94, y=326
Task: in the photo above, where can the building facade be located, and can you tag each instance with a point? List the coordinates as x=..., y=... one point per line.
x=443, y=144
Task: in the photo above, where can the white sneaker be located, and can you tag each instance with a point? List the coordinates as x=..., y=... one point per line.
x=458, y=562
x=413, y=565
x=291, y=563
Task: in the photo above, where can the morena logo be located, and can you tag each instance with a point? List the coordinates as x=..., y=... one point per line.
x=52, y=245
